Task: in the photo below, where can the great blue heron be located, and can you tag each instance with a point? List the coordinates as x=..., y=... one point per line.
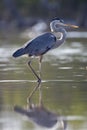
x=43, y=43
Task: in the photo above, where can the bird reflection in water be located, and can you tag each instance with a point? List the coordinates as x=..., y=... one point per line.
x=42, y=117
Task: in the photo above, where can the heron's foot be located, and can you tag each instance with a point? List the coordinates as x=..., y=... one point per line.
x=39, y=80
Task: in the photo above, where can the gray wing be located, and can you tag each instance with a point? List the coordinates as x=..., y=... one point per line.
x=40, y=45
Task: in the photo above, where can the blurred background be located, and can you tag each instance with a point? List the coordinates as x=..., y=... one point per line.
x=64, y=70
x=22, y=13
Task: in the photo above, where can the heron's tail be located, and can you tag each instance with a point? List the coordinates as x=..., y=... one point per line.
x=19, y=52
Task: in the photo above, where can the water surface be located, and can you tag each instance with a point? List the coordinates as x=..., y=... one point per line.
x=64, y=85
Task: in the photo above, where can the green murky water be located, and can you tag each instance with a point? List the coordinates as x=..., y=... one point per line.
x=64, y=86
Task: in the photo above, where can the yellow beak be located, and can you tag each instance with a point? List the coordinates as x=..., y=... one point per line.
x=72, y=26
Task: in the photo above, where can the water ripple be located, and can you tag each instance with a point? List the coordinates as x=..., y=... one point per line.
x=32, y=81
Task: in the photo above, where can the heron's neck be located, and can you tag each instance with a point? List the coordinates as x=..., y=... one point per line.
x=59, y=32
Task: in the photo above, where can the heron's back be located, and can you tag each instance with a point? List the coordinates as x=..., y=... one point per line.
x=41, y=44
x=38, y=46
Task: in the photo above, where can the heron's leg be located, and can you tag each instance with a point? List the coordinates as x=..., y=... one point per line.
x=39, y=79
x=40, y=61
x=40, y=74
x=35, y=88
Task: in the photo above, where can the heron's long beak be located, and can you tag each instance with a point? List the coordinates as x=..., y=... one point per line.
x=69, y=25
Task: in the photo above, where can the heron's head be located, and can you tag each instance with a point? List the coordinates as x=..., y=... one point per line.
x=56, y=23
